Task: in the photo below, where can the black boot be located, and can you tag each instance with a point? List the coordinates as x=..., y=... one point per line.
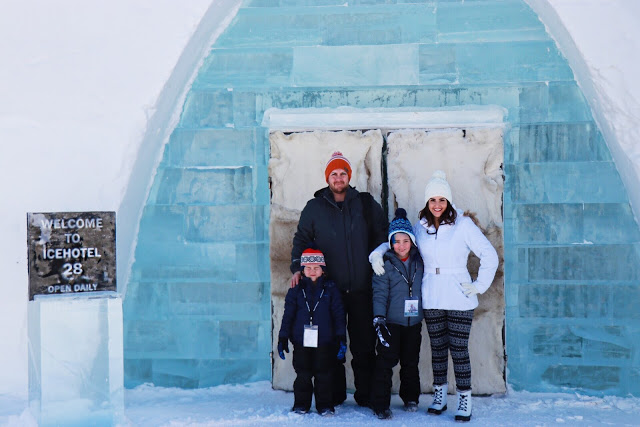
x=384, y=414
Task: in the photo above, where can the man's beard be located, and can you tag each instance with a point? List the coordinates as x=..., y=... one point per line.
x=337, y=191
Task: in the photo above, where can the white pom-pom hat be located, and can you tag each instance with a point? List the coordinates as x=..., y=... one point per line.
x=437, y=186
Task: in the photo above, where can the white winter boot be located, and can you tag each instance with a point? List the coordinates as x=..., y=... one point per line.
x=439, y=403
x=464, y=406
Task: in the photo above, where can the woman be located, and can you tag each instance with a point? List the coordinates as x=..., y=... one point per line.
x=444, y=238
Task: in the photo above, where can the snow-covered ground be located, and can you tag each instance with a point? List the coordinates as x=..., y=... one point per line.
x=257, y=404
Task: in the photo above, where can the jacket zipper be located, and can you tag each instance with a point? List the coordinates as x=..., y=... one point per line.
x=410, y=287
x=341, y=212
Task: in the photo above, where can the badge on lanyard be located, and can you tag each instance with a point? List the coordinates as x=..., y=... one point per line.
x=411, y=303
x=310, y=338
x=410, y=307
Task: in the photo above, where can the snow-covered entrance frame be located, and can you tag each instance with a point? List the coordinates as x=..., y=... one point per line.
x=349, y=118
x=440, y=137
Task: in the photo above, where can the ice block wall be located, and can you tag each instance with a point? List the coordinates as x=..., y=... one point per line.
x=197, y=309
x=76, y=360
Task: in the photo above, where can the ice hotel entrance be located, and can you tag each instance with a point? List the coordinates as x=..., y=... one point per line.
x=393, y=153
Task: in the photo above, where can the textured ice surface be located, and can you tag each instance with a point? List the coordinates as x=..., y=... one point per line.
x=567, y=221
x=76, y=360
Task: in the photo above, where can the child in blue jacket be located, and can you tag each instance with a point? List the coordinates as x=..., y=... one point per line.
x=397, y=311
x=314, y=321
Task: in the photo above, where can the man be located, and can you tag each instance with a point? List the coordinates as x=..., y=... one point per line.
x=345, y=225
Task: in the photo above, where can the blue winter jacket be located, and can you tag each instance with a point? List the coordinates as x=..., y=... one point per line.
x=328, y=315
x=392, y=288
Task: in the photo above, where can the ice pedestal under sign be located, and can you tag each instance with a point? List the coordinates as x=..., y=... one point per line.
x=76, y=360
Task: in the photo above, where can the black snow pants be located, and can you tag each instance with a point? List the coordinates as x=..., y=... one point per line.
x=313, y=376
x=358, y=307
x=404, y=346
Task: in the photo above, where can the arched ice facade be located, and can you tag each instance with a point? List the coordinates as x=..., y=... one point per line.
x=197, y=310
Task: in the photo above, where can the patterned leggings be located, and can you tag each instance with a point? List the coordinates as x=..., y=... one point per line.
x=449, y=330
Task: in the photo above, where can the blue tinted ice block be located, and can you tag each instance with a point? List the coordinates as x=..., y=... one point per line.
x=76, y=360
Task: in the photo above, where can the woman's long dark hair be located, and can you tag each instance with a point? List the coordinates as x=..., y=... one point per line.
x=448, y=216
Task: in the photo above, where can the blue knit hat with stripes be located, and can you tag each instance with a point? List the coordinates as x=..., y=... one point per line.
x=400, y=224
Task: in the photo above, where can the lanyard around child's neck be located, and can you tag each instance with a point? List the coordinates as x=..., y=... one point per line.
x=314, y=307
x=409, y=283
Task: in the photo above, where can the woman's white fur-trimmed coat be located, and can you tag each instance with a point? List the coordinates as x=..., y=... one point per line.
x=445, y=255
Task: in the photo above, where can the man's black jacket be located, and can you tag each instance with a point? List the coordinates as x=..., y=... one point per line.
x=343, y=236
